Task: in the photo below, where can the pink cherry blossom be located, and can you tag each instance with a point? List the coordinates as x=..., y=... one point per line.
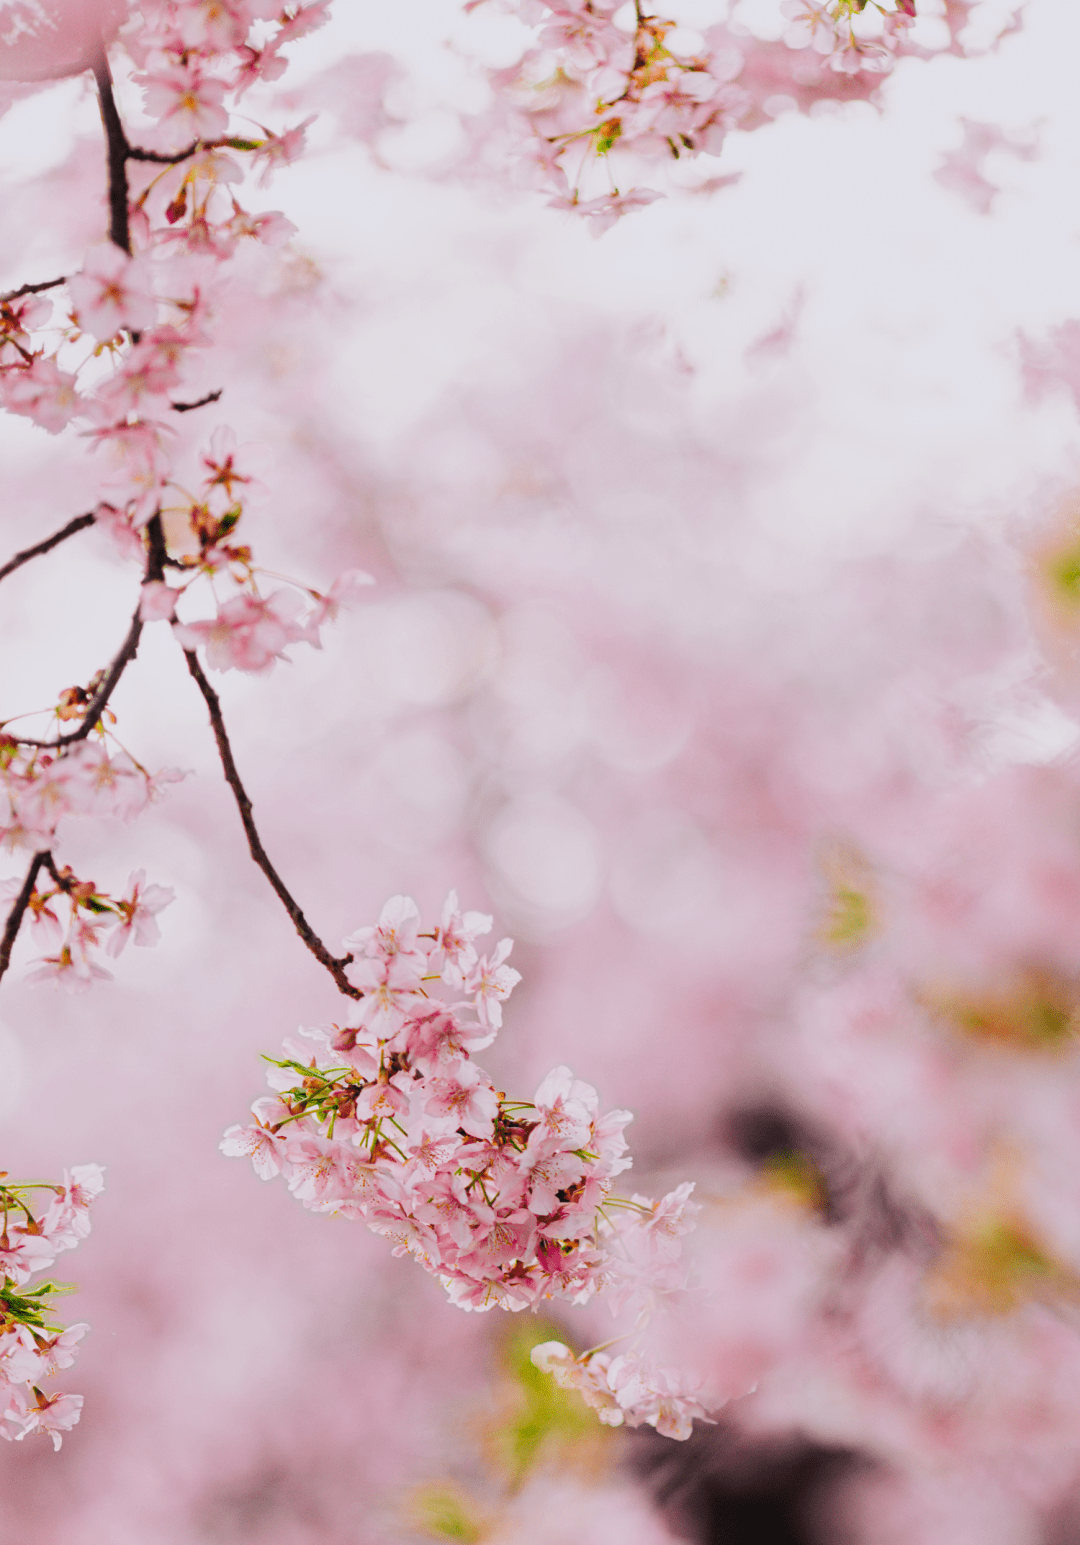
x=492, y=981
x=157, y=601
x=139, y=908
x=248, y=633
x=187, y=104
x=54, y=1415
x=42, y=391
x=113, y=291
x=467, y=1096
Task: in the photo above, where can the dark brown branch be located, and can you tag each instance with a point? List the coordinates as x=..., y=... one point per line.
x=155, y=570
x=78, y=524
x=187, y=407
x=119, y=150
x=18, y=910
x=162, y=158
x=335, y=967
x=31, y=289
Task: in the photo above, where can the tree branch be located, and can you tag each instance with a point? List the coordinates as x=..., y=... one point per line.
x=78, y=524
x=155, y=570
x=335, y=967
x=31, y=289
x=162, y=158
x=187, y=407
x=18, y=910
x=116, y=139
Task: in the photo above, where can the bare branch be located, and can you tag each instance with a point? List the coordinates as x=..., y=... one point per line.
x=155, y=570
x=335, y=967
x=78, y=524
x=119, y=228
x=137, y=153
x=18, y=910
x=32, y=289
x=187, y=407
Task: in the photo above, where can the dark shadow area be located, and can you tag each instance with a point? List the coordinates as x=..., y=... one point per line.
x=725, y=1487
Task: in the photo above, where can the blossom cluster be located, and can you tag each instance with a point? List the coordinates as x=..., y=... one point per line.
x=597, y=87
x=43, y=784
x=624, y=1390
x=139, y=314
x=33, y=1346
x=78, y=922
x=509, y=1203
x=115, y=359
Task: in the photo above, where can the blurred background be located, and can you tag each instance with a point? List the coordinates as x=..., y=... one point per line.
x=725, y=648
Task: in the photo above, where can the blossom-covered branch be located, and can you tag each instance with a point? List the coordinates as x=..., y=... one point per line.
x=33, y=1345
x=388, y=1118
x=600, y=97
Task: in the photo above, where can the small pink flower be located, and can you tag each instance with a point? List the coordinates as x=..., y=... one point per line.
x=393, y=937
x=346, y=590
x=41, y=391
x=53, y=1414
x=390, y=993
x=468, y=1097
x=248, y=633
x=280, y=149
x=187, y=104
x=139, y=909
x=549, y=1171
x=602, y=213
x=671, y=1217
x=455, y=937
x=272, y=228
x=59, y=1351
x=492, y=982
x=222, y=472
x=566, y=1106
x=157, y=601
x=654, y=1396
x=21, y=1254
x=264, y=1148
x=113, y=291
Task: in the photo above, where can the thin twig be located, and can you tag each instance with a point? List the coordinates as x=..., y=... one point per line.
x=137, y=153
x=31, y=289
x=78, y=524
x=187, y=407
x=15, y=916
x=119, y=150
x=155, y=570
x=335, y=967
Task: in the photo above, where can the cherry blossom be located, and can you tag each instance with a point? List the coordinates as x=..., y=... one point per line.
x=33, y=1346
x=507, y=1202
x=138, y=910
x=249, y=633
x=113, y=291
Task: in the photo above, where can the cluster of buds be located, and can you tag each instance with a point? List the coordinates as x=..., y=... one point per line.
x=508, y=1202
x=33, y=1346
x=593, y=87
